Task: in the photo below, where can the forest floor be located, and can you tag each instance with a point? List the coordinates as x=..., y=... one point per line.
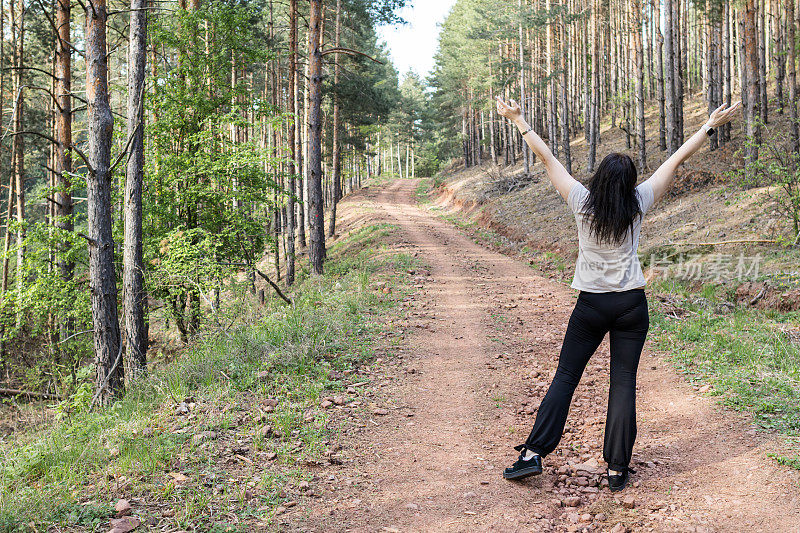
x=473, y=360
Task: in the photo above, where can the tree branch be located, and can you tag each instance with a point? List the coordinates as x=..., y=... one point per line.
x=349, y=51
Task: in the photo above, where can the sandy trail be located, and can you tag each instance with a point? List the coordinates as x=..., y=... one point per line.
x=483, y=341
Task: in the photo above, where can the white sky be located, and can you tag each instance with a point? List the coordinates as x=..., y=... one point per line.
x=413, y=45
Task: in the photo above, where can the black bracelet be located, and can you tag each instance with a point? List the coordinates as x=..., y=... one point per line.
x=710, y=132
x=524, y=133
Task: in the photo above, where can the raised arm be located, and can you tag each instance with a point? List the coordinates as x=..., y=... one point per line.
x=662, y=178
x=558, y=175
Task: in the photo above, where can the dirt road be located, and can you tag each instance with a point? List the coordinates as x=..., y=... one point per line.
x=477, y=357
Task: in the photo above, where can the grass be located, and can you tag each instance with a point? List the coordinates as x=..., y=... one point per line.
x=750, y=356
x=71, y=473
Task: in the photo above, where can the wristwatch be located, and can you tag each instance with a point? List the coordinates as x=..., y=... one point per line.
x=709, y=130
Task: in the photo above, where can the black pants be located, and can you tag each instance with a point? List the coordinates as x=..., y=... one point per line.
x=624, y=316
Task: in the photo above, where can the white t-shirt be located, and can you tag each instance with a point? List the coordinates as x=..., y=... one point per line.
x=604, y=267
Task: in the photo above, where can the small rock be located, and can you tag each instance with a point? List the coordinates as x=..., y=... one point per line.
x=268, y=431
x=325, y=404
x=123, y=508
x=280, y=509
x=470, y=495
x=619, y=528
x=303, y=485
x=574, y=517
x=272, y=456
x=182, y=409
x=380, y=412
x=586, y=517
x=338, y=400
x=412, y=506
x=600, y=517
x=704, y=389
x=572, y=501
x=204, y=435
x=271, y=402
x=123, y=525
x=629, y=502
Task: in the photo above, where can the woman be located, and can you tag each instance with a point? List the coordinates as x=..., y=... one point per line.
x=612, y=300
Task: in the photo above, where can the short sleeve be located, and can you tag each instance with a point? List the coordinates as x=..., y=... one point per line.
x=646, y=196
x=576, y=197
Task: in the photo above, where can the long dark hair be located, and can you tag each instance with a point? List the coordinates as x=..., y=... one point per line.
x=612, y=199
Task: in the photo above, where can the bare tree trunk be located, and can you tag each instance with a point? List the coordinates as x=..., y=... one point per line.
x=552, y=104
x=134, y=295
x=660, y=96
x=315, y=201
x=791, y=25
x=669, y=81
x=565, y=118
x=492, y=139
x=337, y=163
x=102, y=276
x=637, y=40
x=595, y=111
x=779, y=32
x=296, y=144
x=725, y=133
x=527, y=156
x=17, y=144
x=750, y=45
x=63, y=131
x=762, y=61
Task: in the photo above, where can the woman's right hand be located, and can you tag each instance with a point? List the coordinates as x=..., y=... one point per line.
x=722, y=115
x=510, y=110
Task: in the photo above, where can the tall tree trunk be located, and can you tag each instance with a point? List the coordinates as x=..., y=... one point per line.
x=762, y=61
x=337, y=163
x=669, y=81
x=527, y=156
x=294, y=139
x=565, y=118
x=315, y=201
x=102, y=276
x=791, y=25
x=660, y=96
x=750, y=44
x=637, y=40
x=134, y=295
x=779, y=32
x=17, y=144
x=595, y=111
x=725, y=133
x=63, y=131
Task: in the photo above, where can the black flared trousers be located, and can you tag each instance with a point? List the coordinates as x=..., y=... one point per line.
x=625, y=317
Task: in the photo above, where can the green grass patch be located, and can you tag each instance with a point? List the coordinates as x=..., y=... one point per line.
x=70, y=473
x=423, y=190
x=750, y=356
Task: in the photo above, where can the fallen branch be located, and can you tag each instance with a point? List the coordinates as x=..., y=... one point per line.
x=31, y=394
x=274, y=286
x=759, y=296
x=739, y=241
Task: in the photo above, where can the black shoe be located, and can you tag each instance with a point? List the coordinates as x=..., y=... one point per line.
x=617, y=483
x=524, y=468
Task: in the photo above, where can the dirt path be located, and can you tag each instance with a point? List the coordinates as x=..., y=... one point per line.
x=477, y=357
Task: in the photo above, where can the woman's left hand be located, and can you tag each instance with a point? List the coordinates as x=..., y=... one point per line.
x=510, y=110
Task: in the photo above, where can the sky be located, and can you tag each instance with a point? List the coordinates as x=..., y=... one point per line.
x=413, y=45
